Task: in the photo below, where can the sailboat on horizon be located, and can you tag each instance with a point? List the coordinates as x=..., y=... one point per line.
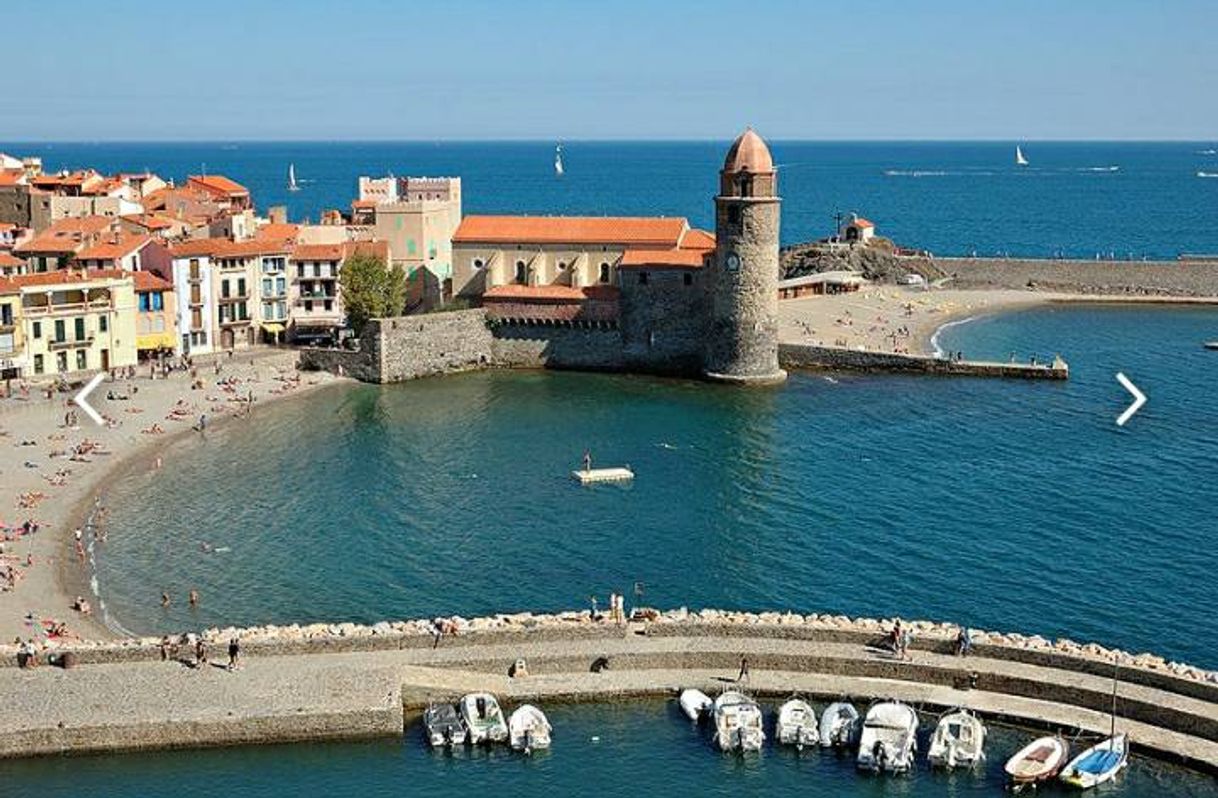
x=292, y=184
x=1019, y=159
x=558, y=170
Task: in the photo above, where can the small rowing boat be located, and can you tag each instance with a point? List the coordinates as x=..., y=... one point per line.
x=1039, y=760
x=1098, y=764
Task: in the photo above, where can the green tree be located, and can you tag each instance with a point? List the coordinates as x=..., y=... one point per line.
x=370, y=290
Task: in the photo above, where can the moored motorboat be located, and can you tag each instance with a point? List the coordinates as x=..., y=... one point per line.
x=1039, y=760
x=889, y=739
x=529, y=729
x=958, y=740
x=483, y=718
x=738, y=722
x=839, y=725
x=695, y=704
x=796, y=724
x=444, y=725
x=1098, y=764
x=1211, y=345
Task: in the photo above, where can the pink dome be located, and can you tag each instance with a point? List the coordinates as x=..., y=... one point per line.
x=749, y=153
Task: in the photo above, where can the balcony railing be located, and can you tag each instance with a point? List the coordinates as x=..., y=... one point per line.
x=229, y=322
x=66, y=307
x=235, y=297
x=69, y=343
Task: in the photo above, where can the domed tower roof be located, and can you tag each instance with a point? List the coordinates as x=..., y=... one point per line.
x=749, y=153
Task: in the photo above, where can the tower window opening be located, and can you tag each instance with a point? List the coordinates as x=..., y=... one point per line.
x=733, y=214
x=689, y=278
x=522, y=272
x=642, y=278
x=604, y=275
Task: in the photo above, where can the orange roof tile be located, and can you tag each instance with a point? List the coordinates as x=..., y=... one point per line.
x=149, y=221
x=217, y=184
x=861, y=222
x=672, y=258
x=196, y=247
x=377, y=249
x=698, y=239
x=12, y=177
x=114, y=249
x=147, y=281
x=66, y=277
x=244, y=249
x=364, y=203
x=318, y=252
x=277, y=230
x=551, y=293
x=637, y=231
x=8, y=260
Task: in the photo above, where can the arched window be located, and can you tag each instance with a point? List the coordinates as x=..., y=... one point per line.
x=604, y=275
x=744, y=184
x=522, y=272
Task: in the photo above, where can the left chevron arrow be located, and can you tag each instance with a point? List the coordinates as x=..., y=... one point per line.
x=82, y=398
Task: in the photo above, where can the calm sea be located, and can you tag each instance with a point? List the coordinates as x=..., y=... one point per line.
x=1011, y=505
x=1139, y=199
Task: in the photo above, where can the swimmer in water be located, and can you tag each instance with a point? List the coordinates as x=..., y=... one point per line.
x=205, y=547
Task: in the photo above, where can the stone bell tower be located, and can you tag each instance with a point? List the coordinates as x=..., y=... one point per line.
x=742, y=343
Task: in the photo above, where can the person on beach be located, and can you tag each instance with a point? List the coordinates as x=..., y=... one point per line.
x=200, y=652
x=595, y=612
x=744, y=670
x=234, y=651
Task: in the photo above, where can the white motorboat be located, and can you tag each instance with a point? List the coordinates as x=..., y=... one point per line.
x=738, y=722
x=529, y=729
x=839, y=725
x=483, y=718
x=796, y=724
x=695, y=704
x=889, y=739
x=1212, y=345
x=1098, y=764
x=1039, y=760
x=958, y=741
x=444, y=725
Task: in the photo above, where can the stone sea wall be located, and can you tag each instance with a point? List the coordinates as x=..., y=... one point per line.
x=556, y=347
x=832, y=358
x=317, y=638
x=1102, y=278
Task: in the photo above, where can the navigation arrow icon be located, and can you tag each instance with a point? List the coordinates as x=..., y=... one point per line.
x=81, y=397
x=1139, y=399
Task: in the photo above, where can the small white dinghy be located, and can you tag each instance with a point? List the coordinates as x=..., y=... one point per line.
x=839, y=726
x=958, y=741
x=1098, y=764
x=796, y=724
x=483, y=718
x=529, y=729
x=1039, y=760
x=738, y=722
x=889, y=739
x=695, y=704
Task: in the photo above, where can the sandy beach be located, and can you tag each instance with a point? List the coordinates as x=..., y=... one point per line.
x=54, y=474
x=889, y=318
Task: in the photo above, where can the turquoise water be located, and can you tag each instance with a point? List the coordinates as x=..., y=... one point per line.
x=1001, y=504
x=948, y=197
x=644, y=749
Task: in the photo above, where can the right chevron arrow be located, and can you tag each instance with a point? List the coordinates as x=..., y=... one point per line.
x=1139, y=399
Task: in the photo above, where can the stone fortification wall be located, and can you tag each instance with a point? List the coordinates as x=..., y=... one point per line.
x=409, y=347
x=831, y=358
x=1108, y=278
x=358, y=365
x=557, y=347
x=664, y=320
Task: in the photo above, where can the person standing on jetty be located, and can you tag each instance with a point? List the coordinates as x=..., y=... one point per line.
x=743, y=676
x=234, y=651
x=200, y=652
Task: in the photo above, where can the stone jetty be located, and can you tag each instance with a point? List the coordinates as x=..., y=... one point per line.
x=344, y=680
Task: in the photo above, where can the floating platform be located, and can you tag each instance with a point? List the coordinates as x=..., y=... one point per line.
x=592, y=475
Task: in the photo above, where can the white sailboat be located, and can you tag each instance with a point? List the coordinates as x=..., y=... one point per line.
x=1019, y=159
x=558, y=170
x=292, y=185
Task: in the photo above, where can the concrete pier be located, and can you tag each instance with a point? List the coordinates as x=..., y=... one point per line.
x=348, y=683
x=832, y=358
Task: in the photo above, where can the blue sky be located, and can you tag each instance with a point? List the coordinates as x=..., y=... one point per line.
x=379, y=69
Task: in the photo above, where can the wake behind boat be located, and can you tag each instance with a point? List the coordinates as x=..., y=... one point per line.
x=959, y=740
x=889, y=739
x=738, y=722
x=529, y=729
x=483, y=718
x=839, y=725
x=796, y=724
x=1098, y=764
x=1039, y=760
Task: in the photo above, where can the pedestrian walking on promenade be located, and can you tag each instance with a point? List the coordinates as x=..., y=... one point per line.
x=234, y=652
